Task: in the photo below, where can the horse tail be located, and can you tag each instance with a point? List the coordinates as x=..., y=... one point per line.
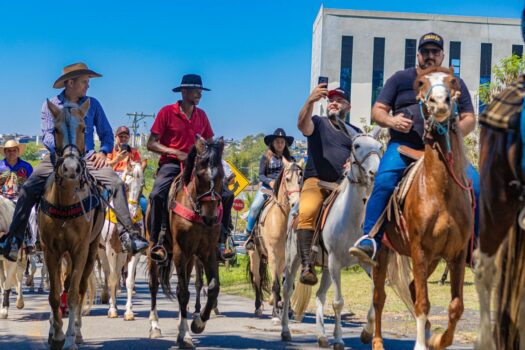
x=300, y=299
x=399, y=274
x=164, y=280
x=510, y=265
x=265, y=281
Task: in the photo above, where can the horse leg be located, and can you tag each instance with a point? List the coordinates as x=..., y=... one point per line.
x=290, y=271
x=184, y=267
x=87, y=275
x=56, y=335
x=485, y=271
x=153, y=283
x=379, y=277
x=444, y=276
x=422, y=304
x=130, y=286
x=320, y=299
x=276, y=285
x=87, y=304
x=211, y=268
x=116, y=261
x=78, y=263
x=21, y=265
x=368, y=330
x=104, y=297
x=334, y=267
x=198, y=286
x=255, y=261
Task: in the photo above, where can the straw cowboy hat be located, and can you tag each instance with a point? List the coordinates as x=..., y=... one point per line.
x=73, y=71
x=12, y=144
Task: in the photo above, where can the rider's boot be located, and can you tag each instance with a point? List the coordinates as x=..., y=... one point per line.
x=365, y=249
x=308, y=275
x=249, y=244
x=9, y=246
x=158, y=253
x=132, y=242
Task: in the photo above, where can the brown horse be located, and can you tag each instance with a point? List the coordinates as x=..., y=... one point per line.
x=195, y=217
x=437, y=210
x=501, y=254
x=271, y=237
x=68, y=191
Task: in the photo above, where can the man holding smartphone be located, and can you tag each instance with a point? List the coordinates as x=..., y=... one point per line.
x=329, y=146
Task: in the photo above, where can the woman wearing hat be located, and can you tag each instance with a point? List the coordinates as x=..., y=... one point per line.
x=270, y=167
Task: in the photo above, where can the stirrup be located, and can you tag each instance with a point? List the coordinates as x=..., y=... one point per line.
x=360, y=254
x=155, y=256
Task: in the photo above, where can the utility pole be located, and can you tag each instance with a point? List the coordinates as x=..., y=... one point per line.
x=135, y=119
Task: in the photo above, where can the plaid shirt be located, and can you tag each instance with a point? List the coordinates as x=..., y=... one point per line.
x=505, y=110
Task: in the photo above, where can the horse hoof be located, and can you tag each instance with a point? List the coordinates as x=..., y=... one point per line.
x=323, y=342
x=258, y=312
x=20, y=305
x=276, y=321
x=3, y=315
x=129, y=316
x=216, y=311
x=197, y=325
x=185, y=343
x=286, y=336
x=377, y=344
x=79, y=339
x=112, y=314
x=366, y=337
x=435, y=341
x=155, y=333
x=339, y=346
x=56, y=344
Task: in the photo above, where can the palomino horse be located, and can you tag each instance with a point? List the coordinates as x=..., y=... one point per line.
x=500, y=258
x=195, y=219
x=111, y=256
x=437, y=218
x=69, y=191
x=10, y=271
x=340, y=232
x=270, y=237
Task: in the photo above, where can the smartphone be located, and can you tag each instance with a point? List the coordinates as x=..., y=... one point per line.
x=322, y=80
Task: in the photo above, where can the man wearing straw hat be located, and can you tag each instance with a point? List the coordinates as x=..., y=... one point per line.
x=13, y=170
x=75, y=82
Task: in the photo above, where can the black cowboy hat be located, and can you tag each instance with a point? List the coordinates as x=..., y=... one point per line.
x=190, y=81
x=268, y=139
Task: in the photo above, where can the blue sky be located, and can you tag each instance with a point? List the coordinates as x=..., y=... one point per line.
x=255, y=56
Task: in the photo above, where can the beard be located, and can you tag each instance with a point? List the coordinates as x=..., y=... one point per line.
x=333, y=115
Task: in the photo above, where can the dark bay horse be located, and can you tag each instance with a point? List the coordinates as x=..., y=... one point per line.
x=77, y=232
x=195, y=217
x=437, y=211
x=501, y=254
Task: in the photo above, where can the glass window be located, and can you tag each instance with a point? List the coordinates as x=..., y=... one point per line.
x=485, y=68
x=455, y=57
x=378, y=67
x=517, y=50
x=410, y=53
x=346, y=63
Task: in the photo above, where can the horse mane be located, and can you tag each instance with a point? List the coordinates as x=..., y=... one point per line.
x=277, y=183
x=214, y=155
x=189, y=165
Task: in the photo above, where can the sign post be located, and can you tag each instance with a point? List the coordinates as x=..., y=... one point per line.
x=240, y=180
x=238, y=205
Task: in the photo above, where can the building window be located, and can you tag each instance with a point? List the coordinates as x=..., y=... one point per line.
x=455, y=57
x=517, y=50
x=410, y=53
x=485, y=68
x=347, y=45
x=378, y=67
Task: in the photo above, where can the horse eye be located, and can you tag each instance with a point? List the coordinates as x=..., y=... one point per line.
x=357, y=146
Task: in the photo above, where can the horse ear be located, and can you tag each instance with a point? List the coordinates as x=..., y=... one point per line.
x=84, y=108
x=55, y=111
x=300, y=163
x=376, y=132
x=200, y=144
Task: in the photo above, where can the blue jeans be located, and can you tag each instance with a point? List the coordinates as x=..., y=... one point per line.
x=256, y=207
x=143, y=204
x=390, y=172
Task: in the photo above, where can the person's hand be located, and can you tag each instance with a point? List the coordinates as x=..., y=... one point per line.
x=272, y=183
x=98, y=159
x=180, y=155
x=122, y=155
x=318, y=93
x=400, y=123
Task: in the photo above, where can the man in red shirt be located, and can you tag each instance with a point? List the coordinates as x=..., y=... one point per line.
x=172, y=136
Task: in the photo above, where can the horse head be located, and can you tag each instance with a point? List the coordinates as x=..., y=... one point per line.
x=290, y=182
x=69, y=139
x=363, y=163
x=204, y=169
x=133, y=177
x=437, y=92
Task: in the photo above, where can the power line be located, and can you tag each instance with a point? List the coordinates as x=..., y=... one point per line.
x=135, y=120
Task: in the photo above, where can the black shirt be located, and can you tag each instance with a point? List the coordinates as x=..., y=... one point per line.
x=328, y=150
x=399, y=94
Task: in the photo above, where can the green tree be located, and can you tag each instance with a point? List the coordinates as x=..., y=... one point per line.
x=31, y=152
x=505, y=72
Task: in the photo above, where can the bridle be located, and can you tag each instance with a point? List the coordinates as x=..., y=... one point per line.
x=353, y=160
x=293, y=169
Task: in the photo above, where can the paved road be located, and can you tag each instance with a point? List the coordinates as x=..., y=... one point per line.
x=235, y=328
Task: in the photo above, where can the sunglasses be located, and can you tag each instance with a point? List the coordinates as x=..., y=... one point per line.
x=426, y=52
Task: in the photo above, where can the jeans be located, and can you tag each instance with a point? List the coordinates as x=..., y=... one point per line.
x=390, y=172
x=143, y=202
x=256, y=207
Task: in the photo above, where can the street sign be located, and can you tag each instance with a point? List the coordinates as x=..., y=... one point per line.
x=238, y=204
x=240, y=180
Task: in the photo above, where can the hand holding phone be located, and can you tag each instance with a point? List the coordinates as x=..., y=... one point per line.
x=322, y=80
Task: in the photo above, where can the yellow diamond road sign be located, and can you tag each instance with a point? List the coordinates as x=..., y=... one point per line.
x=240, y=180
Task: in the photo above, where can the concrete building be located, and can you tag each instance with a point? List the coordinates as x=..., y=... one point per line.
x=360, y=50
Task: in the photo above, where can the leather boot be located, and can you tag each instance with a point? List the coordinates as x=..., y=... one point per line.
x=305, y=238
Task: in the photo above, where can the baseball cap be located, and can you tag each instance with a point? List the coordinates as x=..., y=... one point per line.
x=431, y=38
x=339, y=91
x=122, y=129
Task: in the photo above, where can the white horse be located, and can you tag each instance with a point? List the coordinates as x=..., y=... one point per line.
x=341, y=230
x=111, y=256
x=11, y=273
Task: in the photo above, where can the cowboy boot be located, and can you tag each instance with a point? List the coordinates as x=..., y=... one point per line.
x=9, y=247
x=308, y=275
x=158, y=253
x=132, y=242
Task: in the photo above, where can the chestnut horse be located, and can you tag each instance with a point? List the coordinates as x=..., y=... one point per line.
x=69, y=190
x=195, y=220
x=501, y=226
x=437, y=210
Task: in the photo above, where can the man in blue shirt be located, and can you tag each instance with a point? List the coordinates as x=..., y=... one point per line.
x=75, y=81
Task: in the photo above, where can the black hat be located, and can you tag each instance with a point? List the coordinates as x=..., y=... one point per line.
x=339, y=91
x=268, y=139
x=431, y=38
x=190, y=81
